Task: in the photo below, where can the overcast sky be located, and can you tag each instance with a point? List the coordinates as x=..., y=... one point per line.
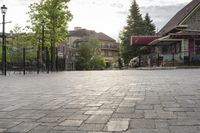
x=108, y=16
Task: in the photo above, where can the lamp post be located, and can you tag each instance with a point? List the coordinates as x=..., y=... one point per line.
x=43, y=23
x=3, y=11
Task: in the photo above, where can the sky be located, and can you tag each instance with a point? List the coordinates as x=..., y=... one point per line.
x=107, y=16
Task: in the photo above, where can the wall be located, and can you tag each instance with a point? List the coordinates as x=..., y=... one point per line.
x=194, y=21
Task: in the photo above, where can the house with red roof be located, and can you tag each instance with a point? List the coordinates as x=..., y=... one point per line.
x=178, y=42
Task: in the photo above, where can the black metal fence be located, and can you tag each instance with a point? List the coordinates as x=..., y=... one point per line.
x=178, y=59
x=30, y=59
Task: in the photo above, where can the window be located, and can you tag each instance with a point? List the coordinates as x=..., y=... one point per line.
x=109, y=53
x=102, y=53
x=165, y=49
x=197, y=47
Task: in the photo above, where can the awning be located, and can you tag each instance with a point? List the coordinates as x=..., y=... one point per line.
x=163, y=40
x=142, y=40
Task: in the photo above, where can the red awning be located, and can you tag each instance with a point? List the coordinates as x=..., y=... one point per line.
x=142, y=40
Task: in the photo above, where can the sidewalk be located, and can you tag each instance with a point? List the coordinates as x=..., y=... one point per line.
x=168, y=68
x=125, y=101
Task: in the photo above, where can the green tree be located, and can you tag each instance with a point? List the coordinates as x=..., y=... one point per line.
x=149, y=26
x=97, y=63
x=17, y=40
x=56, y=15
x=135, y=26
x=89, y=57
x=135, y=23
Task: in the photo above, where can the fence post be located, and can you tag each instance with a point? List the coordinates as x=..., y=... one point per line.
x=56, y=59
x=38, y=60
x=47, y=59
x=5, y=61
x=189, y=59
x=139, y=60
x=51, y=55
x=2, y=60
x=158, y=61
x=24, y=60
x=173, y=59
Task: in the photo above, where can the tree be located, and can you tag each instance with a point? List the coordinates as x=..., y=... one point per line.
x=20, y=38
x=89, y=57
x=17, y=40
x=149, y=26
x=56, y=16
x=135, y=26
x=135, y=23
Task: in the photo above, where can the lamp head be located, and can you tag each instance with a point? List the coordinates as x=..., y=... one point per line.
x=4, y=9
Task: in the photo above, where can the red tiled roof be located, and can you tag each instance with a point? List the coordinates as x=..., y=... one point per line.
x=179, y=17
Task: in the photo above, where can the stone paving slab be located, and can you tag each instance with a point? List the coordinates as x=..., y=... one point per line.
x=117, y=125
x=128, y=101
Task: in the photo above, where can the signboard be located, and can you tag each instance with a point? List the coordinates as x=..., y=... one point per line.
x=60, y=55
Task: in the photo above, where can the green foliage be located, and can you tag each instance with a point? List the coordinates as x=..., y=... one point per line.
x=18, y=40
x=97, y=63
x=56, y=16
x=135, y=26
x=135, y=23
x=89, y=57
x=145, y=50
x=149, y=26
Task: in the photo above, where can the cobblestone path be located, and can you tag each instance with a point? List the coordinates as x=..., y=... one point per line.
x=134, y=101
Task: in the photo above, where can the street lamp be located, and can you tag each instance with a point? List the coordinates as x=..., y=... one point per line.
x=3, y=11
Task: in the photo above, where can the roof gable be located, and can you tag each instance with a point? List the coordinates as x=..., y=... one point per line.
x=179, y=17
x=86, y=33
x=81, y=33
x=104, y=37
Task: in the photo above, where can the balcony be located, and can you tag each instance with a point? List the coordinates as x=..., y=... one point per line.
x=112, y=47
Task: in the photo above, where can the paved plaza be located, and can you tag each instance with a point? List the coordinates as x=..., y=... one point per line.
x=128, y=101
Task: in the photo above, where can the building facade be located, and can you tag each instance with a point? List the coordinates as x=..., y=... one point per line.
x=178, y=42
x=108, y=47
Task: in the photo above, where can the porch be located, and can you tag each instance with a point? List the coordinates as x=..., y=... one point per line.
x=177, y=49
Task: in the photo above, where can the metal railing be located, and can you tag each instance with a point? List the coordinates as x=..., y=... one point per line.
x=29, y=59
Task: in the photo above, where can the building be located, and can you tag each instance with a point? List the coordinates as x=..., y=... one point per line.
x=178, y=42
x=108, y=47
